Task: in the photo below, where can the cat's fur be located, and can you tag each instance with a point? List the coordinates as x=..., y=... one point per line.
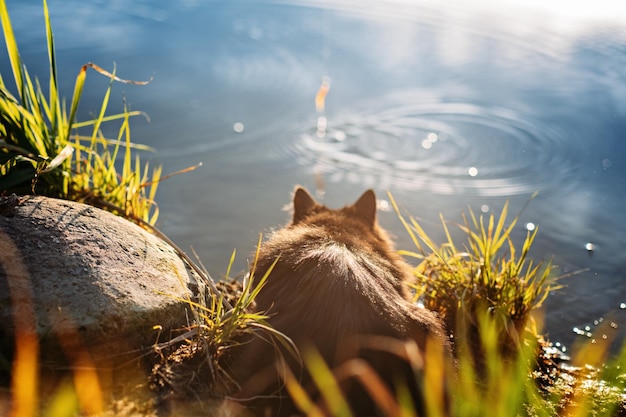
x=339, y=286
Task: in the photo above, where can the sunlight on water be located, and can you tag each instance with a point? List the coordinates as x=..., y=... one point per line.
x=238, y=127
x=568, y=13
x=442, y=147
x=567, y=10
x=320, y=97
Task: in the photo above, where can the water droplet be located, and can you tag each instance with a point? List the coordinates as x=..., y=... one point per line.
x=473, y=171
x=432, y=137
x=322, y=123
x=530, y=226
x=590, y=246
x=484, y=208
x=622, y=306
x=340, y=136
x=426, y=144
x=383, y=205
x=238, y=127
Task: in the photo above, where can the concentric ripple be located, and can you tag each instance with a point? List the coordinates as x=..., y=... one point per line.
x=445, y=148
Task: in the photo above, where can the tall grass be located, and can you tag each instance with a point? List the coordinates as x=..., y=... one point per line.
x=217, y=326
x=45, y=150
x=501, y=387
x=486, y=274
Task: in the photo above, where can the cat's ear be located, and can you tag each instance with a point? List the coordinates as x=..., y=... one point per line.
x=303, y=203
x=365, y=207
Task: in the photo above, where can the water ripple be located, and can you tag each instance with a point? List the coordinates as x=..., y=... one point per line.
x=441, y=147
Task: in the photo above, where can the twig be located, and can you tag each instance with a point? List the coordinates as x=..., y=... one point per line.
x=177, y=339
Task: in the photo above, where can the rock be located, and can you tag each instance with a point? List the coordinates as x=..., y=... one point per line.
x=83, y=279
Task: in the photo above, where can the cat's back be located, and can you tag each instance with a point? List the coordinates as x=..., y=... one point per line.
x=325, y=249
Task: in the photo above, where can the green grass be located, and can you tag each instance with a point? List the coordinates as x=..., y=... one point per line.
x=486, y=274
x=217, y=326
x=501, y=387
x=44, y=150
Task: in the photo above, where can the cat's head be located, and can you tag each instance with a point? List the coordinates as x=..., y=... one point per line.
x=306, y=208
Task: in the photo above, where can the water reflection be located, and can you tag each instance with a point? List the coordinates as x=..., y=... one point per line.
x=443, y=147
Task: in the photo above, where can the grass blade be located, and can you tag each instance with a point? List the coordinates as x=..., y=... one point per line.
x=14, y=55
x=55, y=114
x=78, y=91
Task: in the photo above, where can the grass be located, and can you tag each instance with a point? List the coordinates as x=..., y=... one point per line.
x=44, y=149
x=217, y=326
x=485, y=276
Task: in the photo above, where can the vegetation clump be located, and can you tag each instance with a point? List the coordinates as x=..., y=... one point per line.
x=485, y=276
x=44, y=150
x=195, y=364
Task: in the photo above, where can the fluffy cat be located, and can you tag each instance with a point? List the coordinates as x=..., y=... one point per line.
x=338, y=286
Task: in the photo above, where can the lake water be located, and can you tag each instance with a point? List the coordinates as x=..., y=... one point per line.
x=445, y=107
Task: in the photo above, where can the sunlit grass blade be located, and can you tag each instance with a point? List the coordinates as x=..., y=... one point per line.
x=55, y=114
x=410, y=232
x=11, y=44
x=78, y=91
x=60, y=158
x=327, y=384
x=298, y=394
x=449, y=239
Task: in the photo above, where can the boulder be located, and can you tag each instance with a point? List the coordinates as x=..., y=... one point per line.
x=84, y=280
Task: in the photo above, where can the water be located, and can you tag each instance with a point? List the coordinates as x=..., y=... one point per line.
x=444, y=107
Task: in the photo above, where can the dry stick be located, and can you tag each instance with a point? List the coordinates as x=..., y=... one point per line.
x=182, y=337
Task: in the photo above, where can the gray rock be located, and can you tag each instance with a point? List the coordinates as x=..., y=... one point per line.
x=81, y=279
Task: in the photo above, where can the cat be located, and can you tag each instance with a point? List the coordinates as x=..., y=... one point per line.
x=336, y=285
